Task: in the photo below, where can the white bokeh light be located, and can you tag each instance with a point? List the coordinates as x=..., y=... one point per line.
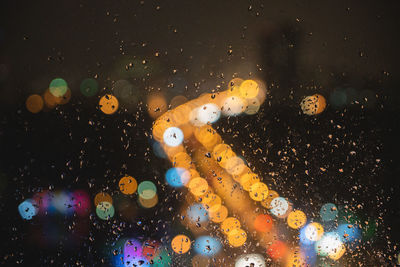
x=173, y=136
x=208, y=113
x=246, y=260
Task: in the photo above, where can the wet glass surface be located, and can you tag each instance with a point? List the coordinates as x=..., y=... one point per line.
x=213, y=133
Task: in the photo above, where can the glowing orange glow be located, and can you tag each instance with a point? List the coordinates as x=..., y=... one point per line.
x=156, y=105
x=218, y=215
x=198, y=186
x=313, y=105
x=258, y=191
x=249, y=89
x=108, y=104
x=102, y=197
x=229, y=224
x=237, y=237
x=211, y=202
x=263, y=223
x=267, y=202
x=181, y=244
x=296, y=219
x=248, y=179
x=277, y=250
x=127, y=185
x=34, y=103
x=182, y=160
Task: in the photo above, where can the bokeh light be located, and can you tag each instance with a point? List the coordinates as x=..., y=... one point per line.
x=102, y=197
x=58, y=87
x=349, y=233
x=237, y=237
x=89, y=87
x=34, y=103
x=313, y=105
x=27, y=209
x=296, y=219
x=328, y=212
x=277, y=249
x=197, y=213
x=127, y=185
x=330, y=245
x=173, y=136
x=108, y=104
x=105, y=210
x=313, y=232
x=181, y=244
x=147, y=190
x=263, y=223
x=247, y=260
x=279, y=206
x=207, y=246
x=208, y=113
x=177, y=177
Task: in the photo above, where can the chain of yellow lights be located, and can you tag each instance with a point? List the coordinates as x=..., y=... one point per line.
x=222, y=167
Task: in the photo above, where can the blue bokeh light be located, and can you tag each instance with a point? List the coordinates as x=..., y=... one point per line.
x=176, y=177
x=328, y=212
x=27, y=210
x=197, y=213
x=349, y=233
x=207, y=246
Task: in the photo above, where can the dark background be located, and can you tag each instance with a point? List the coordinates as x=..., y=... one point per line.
x=298, y=47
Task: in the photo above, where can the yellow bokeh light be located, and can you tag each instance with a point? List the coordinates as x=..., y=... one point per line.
x=229, y=224
x=128, y=185
x=34, y=103
x=237, y=237
x=258, y=191
x=198, y=186
x=180, y=244
x=249, y=89
x=148, y=203
x=156, y=105
x=222, y=153
x=296, y=259
x=314, y=231
x=248, y=179
x=296, y=219
x=218, y=215
x=188, y=175
x=102, y=197
x=313, y=105
x=182, y=160
x=108, y=104
x=234, y=86
x=235, y=166
x=211, y=202
x=267, y=202
x=337, y=253
x=177, y=101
